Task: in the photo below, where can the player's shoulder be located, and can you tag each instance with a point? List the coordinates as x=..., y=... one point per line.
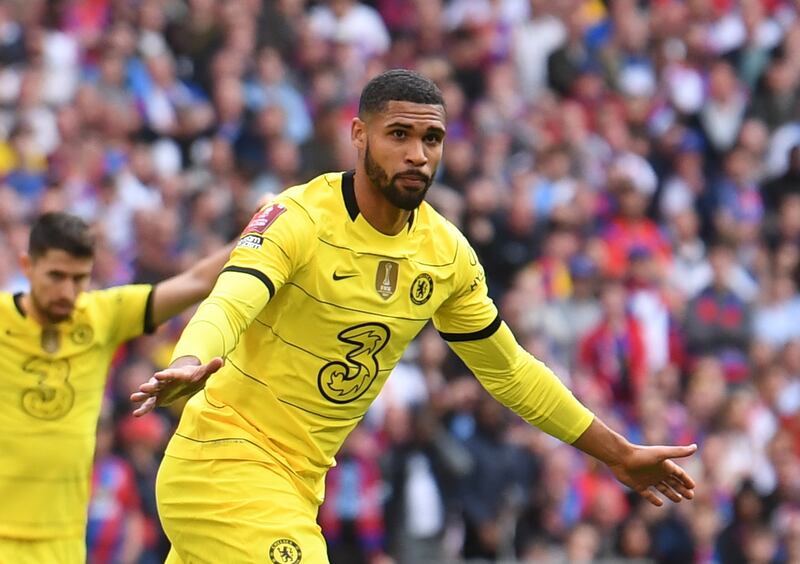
x=447, y=238
x=315, y=200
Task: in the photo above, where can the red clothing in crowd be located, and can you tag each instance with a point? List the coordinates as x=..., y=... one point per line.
x=621, y=236
x=616, y=360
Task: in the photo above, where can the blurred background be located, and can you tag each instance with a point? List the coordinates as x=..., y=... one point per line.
x=628, y=172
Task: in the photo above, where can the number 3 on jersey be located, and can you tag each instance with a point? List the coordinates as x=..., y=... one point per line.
x=343, y=382
x=53, y=397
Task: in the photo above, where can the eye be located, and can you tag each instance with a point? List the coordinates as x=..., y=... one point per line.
x=433, y=139
x=398, y=134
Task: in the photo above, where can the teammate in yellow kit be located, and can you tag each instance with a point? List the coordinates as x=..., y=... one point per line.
x=56, y=344
x=325, y=290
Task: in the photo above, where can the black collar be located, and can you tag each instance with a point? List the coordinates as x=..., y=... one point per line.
x=18, y=304
x=349, y=195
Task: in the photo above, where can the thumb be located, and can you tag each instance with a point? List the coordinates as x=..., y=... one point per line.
x=212, y=366
x=666, y=452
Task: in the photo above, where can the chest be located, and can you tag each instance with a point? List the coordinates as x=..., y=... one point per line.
x=47, y=373
x=408, y=286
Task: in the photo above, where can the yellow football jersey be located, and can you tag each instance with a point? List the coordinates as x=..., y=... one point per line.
x=312, y=313
x=346, y=302
x=50, y=395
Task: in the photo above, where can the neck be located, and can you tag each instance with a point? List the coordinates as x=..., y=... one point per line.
x=30, y=309
x=376, y=209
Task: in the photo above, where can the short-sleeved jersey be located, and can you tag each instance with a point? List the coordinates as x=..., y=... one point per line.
x=346, y=302
x=51, y=389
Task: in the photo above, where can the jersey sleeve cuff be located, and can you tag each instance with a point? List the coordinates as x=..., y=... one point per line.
x=484, y=333
x=149, y=322
x=253, y=272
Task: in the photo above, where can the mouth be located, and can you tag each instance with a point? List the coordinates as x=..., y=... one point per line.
x=62, y=308
x=414, y=182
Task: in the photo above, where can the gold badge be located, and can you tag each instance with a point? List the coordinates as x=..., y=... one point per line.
x=386, y=278
x=51, y=339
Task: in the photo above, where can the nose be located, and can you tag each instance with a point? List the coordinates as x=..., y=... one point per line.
x=415, y=154
x=68, y=290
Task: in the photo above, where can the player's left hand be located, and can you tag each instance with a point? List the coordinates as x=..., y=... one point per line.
x=183, y=377
x=646, y=468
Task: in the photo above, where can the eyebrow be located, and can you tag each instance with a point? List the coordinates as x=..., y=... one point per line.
x=407, y=127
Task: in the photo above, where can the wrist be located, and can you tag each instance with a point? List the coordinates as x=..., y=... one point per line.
x=618, y=449
x=606, y=445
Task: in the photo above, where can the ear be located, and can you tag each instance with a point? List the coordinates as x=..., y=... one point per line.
x=26, y=264
x=358, y=134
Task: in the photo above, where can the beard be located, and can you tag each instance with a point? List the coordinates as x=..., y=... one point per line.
x=397, y=196
x=47, y=313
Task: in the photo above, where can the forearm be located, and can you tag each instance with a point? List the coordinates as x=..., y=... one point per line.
x=604, y=444
x=525, y=385
x=201, y=276
x=215, y=328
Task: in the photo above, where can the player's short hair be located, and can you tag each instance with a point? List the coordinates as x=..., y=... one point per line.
x=59, y=230
x=398, y=85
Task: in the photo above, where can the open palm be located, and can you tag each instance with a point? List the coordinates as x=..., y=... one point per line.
x=650, y=467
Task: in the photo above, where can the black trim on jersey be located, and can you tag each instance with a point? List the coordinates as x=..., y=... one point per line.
x=484, y=333
x=149, y=322
x=253, y=272
x=18, y=304
x=349, y=193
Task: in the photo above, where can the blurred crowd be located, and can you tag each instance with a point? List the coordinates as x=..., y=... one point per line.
x=628, y=173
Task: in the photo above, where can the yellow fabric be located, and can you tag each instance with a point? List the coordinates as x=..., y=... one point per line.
x=303, y=367
x=249, y=512
x=8, y=158
x=221, y=318
x=525, y=385
x=50, y=404
x=306, y=368
x=51, y=551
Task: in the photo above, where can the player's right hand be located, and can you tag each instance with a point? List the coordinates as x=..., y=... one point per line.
x=183, y=377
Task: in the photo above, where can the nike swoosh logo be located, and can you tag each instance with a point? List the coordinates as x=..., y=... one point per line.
x=343, y=276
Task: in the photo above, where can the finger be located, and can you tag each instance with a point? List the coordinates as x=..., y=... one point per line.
x=668, y=492
x=204, y=371
x=650, y=496
x=152, y=387
x=666, y=452
x=137, y=397
x=213, y=365
x=678, y=486
x=681, y=475
x=146, y=407
x=170, y=374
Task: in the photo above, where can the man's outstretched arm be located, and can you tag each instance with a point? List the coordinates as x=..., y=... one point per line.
x=273, y=244
x=213, y=332
x=530, y=389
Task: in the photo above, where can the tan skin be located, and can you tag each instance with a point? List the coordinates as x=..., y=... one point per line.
x=408, y=136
